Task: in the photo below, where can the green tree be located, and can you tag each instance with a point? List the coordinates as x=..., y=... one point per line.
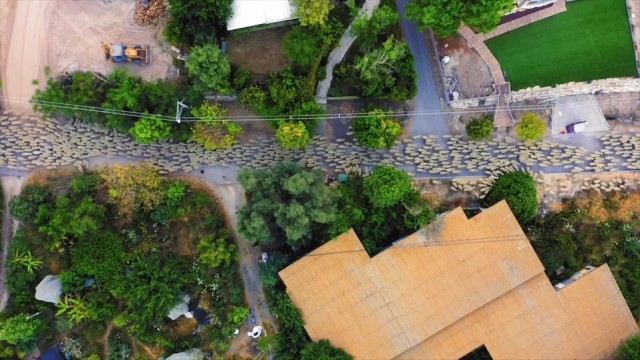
x=630, y=350
x=323, y=350
x=197, y=22
x=287, y=91
x=238, y=315
x=175, y=193
x=209, y=70
x=519, y=190
x=151, y=129
x=101, y=257
x=212, y=130
x=480, y=128
x=367, y=29
x=376, y=129
x=387, y=186
x=303, y=46
x=21, y=329
x=26, y=205
x=444, y=17
x=124, y=94
x=133, y=187
x=45, y=101
x=86, y=90
x=531, y=127
x=254, y=97
x=312, y=12
x=285, y=202
x=216, y=251
x=293, y=135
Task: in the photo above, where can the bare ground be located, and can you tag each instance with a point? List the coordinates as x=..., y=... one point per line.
x=465, y=73
x=67, y=35
x=260, y=52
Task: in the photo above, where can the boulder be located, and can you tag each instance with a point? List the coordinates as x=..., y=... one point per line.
x=180, y=309
x=193, y=354
x=49, y=289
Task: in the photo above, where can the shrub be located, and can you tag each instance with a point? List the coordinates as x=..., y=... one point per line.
x=630, y=350
x=387, y=185
x=480, y=128
x=376, y=129
x=26, y=205
x=302, y=46
x=151, y=129
x=293, y=135
x=213, y=131
x=519, y=190
x=21, y=329
x=531, y=127
x=216, y=251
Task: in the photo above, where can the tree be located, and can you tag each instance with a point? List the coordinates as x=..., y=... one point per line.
x=133, y=187
x=387, y=185
x=444, y=17
x=216, y=251
x=303, y=46
x=519, y=190
x=287, y=91
x=101, y=257
x=293, y=135
x=26, y=205
x=21, y=329
x=630, y=350
x=285, y=202
x=312, y=12
x=323, y=350
x=367, y=29
x=209, y=70
x=376, y=129
x=212, y=130
x=480, y=128
x=124, y=94
x=531, y=127
x=197, y=22
x=151, y=129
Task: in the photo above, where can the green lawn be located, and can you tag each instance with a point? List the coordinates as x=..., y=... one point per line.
x=590, y=41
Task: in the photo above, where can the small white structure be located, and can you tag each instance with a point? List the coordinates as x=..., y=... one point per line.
x=193, y=354
x=180, y=309
x=256, y=332
x=248, y=13
x=49, y=289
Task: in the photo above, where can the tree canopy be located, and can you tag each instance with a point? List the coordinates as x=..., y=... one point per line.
x=531, y=127
x=323, y=350
x=209, y=70
x=286, y=203
x=21, y=329
x=480, y=128
x=377, y=129
x=312, y=12
x=293, y=135
x=444, y=17
x=630, y=350
x=519, y=190
x=151, y=129
x=197, y=22
x=387, y=186
x=212, y=130
x=133, y=187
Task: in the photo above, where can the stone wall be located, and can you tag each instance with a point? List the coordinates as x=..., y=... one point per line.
x=613, y=85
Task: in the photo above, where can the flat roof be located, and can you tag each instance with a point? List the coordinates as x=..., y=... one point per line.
x=248, y=13
x=451, y=287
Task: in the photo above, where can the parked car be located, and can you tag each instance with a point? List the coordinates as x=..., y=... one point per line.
x=577, y=127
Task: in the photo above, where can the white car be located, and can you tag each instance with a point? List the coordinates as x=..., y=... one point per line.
x=577, y=127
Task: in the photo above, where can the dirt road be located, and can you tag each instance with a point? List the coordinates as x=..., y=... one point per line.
x=67, y=35
x=11, y=186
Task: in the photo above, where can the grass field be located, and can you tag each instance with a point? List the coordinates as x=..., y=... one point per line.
x=590, y=41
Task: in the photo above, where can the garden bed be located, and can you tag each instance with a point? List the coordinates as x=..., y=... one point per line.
x=590, y=41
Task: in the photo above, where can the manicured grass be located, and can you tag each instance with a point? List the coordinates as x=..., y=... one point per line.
x=590, y=41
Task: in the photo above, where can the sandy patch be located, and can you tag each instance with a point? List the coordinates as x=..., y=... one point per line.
x=67, y=35
x=465, y=73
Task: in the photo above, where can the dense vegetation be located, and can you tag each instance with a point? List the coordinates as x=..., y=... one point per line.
x=480, y=128
x=630, y=350
x=377, y=129
x=444, y=17
x=593, y=229
x=197, y=22
x=518, y=189
x=126, y=243
x=531, y=127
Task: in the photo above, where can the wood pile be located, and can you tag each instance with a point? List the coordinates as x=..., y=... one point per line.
x=149, y=12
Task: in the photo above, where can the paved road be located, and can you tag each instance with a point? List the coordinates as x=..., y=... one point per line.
x=428, y=98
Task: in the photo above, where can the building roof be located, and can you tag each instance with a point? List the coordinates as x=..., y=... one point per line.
x=248, y=13
x=450, y=288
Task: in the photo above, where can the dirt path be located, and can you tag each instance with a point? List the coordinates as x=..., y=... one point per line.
x=11, y=186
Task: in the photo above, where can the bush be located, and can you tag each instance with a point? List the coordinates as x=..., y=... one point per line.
x=151, y=129
x=212, y=130
x=21, y=329
x=376, y=129
x=480, y=128
x=519, y=190
x=303, y=47
x=387, y=186
x=630, y=350
x=293, y=135
x=26, y=205
x=531, y=127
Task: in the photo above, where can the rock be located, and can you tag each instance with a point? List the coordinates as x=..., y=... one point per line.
x=49, y=289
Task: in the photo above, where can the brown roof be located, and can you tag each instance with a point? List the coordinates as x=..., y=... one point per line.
x=451, y=287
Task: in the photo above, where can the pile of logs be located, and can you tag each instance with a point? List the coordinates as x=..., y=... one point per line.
x=149, y=12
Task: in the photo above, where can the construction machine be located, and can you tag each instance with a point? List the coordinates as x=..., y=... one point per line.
x=121, y=53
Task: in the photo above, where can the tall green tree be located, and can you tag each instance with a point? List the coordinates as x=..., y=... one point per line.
x=303, y=46
x=376, y=129
x=26, y=205
x=21, y=329
x=209, y=70
x=480, y=128
x=151, y=129
x=312, y=12
x=124, y=94
x=387, y=186
x=444, y=17
x=197, y=22
x=519, y=190
x=323, y=350
x=286, y=203
x=367, y=29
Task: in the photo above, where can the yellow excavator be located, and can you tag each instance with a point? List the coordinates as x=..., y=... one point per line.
x=120, y=53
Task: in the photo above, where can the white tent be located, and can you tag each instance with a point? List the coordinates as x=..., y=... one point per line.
x=248, y=13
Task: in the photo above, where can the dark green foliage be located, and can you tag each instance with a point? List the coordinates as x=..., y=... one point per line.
x=291, y=337
x=519, y=190
x=175, y=193
x=286, y=203
x=376, y=129
x=303, y=46
x=378, y=226
x=287, y=92
x=25, y=206
x=445, y=16
x=197, y=22
x=124, y=94
x=387, y=186
x=241, y=79
x=101, y=257
x=72, y=281
x=84, y=184
x=368, y=29
x=630, y=350
x=21, y=329
x=209, y=70
x=151, y=129
x=20, y=282
x=323, y=350
x=480, y=128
